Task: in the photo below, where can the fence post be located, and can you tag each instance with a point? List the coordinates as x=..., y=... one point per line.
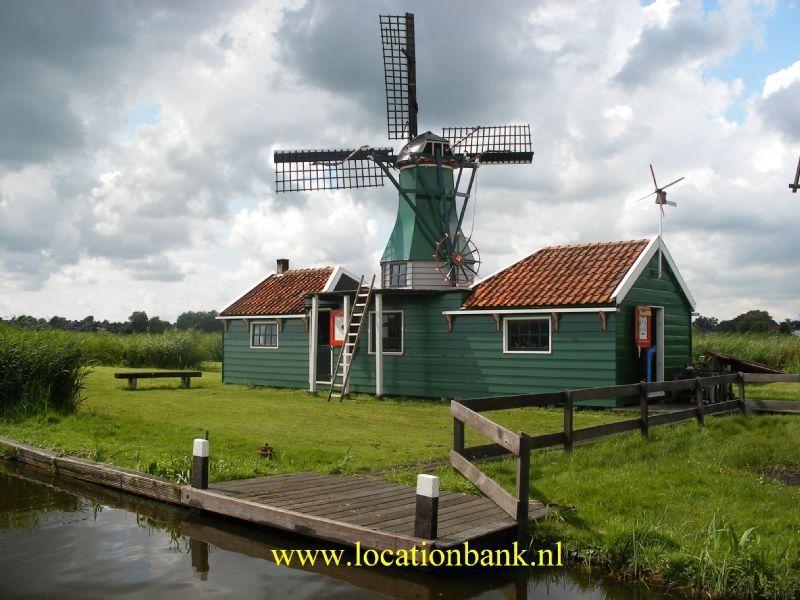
x=742, y=398
x=426, y=518
x=458, y=434
x=567, y=421
x=645, y=425
x=523, y=488
x=200, y=464
x=698, y=399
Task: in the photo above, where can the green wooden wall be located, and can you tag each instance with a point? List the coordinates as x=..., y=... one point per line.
x=666, y=292
x=285, y=366
x=469, y=361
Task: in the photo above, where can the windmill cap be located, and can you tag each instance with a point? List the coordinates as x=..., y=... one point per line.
x=416, y=147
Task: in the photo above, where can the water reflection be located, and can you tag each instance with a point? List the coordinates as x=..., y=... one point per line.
x=69, y=538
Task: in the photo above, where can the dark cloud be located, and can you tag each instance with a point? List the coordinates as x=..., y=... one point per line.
x=473, y=65
x=690, y=36
x=70, y=74
x=52, y=51
x=781, y=111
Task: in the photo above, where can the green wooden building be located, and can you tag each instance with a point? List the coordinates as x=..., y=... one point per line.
x=564, y=317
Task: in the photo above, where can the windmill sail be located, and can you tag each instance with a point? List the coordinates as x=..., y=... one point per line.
x=499, y=144
x=309, y=170
x=399, y=68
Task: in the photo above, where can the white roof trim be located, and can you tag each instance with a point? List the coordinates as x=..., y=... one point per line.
x=639, y=266
x=531, y=311
x=334, y=278
x=251, y=317
x=636, y=269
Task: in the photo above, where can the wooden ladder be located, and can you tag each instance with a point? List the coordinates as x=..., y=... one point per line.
x=341, y=374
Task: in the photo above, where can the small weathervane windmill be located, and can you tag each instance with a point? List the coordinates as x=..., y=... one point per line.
x=661, y=201
x=429, y=168
x=794, y=186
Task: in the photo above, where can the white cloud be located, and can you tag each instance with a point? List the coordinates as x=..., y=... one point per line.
x=780, y=80
x=178, y=213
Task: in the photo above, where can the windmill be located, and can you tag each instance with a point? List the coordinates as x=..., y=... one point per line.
x=661, y=202
x=433, y=174
x=794, y=186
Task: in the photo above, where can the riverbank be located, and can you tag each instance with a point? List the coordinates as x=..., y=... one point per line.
x=672, y=508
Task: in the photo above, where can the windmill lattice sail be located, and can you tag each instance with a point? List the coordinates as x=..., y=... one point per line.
x=309, y=170
x=494, y=144
x=399, y=70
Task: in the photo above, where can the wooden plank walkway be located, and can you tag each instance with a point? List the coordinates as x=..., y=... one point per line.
x=335, y=508
x=350, y=509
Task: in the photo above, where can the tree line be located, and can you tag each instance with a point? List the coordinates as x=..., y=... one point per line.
x=138, y=322
x=753, y=321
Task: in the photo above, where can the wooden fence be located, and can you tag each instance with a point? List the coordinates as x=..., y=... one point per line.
x=710, y=395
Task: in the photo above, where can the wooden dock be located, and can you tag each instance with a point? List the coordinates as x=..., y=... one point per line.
x=204, y=530
x=334, y=508
x=350, y=509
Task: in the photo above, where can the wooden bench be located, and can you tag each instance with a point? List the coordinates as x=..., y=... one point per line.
x=132, y=377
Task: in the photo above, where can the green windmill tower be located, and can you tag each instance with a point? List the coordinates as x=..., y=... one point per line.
x=434, y=175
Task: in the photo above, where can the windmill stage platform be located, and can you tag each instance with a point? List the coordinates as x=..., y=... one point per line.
x=349, y=509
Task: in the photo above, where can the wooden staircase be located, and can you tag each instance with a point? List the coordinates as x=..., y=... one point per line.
x=341, y=374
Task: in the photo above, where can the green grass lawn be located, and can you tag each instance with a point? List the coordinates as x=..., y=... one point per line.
x=673, y=507
x=152, y=428
x=773, y=391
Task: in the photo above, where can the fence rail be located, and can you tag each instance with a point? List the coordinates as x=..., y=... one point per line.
x=711, y=395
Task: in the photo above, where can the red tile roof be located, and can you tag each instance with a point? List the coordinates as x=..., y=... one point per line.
x=280, y=294
x=586, y=274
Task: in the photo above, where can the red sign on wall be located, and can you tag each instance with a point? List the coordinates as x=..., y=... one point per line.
x=643, y=327
x=337, y=328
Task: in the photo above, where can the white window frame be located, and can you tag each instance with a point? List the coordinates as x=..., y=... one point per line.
x=277, y=334
x=371, y=320
x=530, y=318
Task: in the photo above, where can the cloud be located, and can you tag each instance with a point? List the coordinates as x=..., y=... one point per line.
x=780, y=103
x=688, y=38
x=135, y=142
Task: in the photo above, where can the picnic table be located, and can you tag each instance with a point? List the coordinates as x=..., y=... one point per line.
x=132, y=376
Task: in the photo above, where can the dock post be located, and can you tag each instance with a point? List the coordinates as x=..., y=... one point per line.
x=426, y=520
x=200, y=464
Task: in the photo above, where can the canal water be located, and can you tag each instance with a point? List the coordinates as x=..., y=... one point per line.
x=64, y=538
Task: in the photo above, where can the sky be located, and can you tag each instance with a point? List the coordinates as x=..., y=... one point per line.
x=136, y=141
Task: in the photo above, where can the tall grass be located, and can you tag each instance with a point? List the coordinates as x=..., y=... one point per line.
x=39, y=371
x=170, y=350
x=775, y=350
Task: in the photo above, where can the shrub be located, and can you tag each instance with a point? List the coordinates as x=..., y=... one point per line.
x=40, y=371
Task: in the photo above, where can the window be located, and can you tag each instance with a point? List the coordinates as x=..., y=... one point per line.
x=392, y=332
x=264, y=335
x=398, y=274
x=526, y=335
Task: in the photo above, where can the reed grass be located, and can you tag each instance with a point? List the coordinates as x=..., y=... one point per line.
x=776, y=350
x=40, y=371
x=169, y=350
